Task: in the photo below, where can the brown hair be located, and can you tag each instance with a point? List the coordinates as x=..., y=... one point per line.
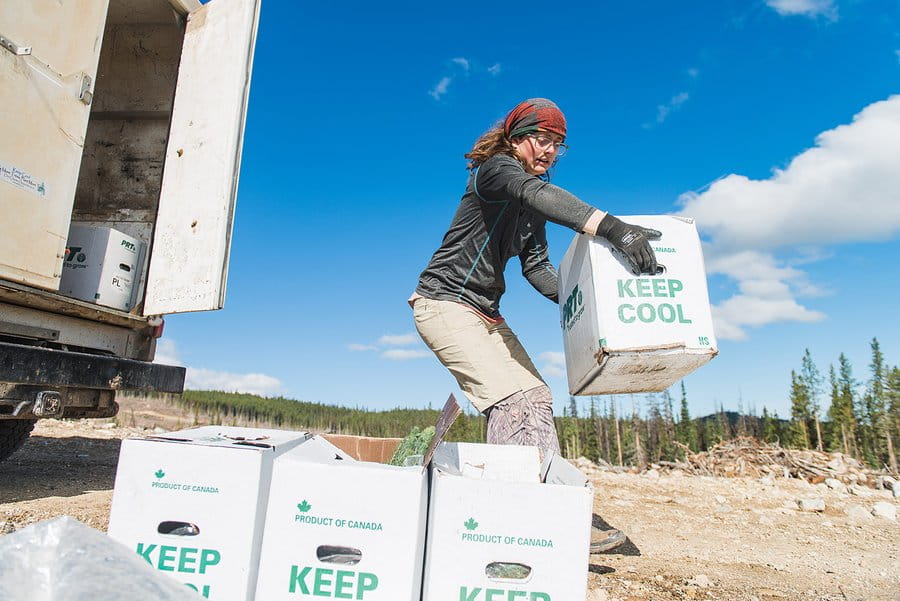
x=491, y=142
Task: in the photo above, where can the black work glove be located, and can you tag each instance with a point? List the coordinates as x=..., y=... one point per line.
x=632, y=242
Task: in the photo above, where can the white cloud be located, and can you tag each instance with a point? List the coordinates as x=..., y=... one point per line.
x=460, y=68
x=252, y=383
x=664, y=110
x=845, y=189
x=897, y=52
x=462, y=62
x=399, y=339
x=440, y=88
x=693, y=72
x=553, y=364
x=807, y=8
x=198, y=378
x=166, y=352
x=405, y=354
x=362, y=347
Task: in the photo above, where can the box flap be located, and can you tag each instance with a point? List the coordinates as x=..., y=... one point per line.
x=506, y=463
x=232, y=437
x=448, y=415
x=556, y=470
x=319, y=450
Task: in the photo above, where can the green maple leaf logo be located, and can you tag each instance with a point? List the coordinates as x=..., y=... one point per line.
x=159, y=473
x=470, y=524
x=304, y=506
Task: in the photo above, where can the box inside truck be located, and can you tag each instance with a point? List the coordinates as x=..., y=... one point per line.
x=125, y=145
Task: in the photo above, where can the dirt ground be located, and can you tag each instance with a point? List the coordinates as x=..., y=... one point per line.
x=690, y=537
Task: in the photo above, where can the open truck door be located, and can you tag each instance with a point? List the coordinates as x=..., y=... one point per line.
x=192, y=237
x=46, y=86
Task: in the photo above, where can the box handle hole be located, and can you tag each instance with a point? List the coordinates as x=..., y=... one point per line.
x=178, y=528
x=124, y=267
x=507, y=570
x=342, y=555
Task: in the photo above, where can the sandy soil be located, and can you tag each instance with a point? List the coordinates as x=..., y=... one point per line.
x=690, y=537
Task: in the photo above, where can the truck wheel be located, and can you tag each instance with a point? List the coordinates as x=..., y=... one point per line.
x=13, y=434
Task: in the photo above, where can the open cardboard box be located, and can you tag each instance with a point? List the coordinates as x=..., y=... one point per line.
x=192, y=503
x=504, y=524
x=344, y=529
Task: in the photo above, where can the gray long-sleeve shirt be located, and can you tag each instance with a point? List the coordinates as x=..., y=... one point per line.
x=502, y=214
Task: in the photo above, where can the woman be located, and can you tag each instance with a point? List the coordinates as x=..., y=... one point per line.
x=508, y=200
x=502, y=214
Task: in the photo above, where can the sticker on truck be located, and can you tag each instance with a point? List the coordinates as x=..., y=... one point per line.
x=22, y=180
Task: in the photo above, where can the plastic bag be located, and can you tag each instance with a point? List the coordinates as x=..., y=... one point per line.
x=64, y=560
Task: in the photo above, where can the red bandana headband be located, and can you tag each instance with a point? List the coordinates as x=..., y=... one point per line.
x=533, y=114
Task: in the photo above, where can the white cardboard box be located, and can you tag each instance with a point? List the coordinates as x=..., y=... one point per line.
x=343, y=529
x=537, y=532
x=624, y=333
x=192, y=503
x=102, y=266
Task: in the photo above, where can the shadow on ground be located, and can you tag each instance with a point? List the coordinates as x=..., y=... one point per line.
x=58, y=467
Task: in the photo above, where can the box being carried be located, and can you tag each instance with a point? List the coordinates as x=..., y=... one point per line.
x=504, y=525
x=343, y=529
x=624, y=333
x=102, y=266
x=192, y=503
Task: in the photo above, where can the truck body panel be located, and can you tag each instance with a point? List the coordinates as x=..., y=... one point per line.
x=125, y=114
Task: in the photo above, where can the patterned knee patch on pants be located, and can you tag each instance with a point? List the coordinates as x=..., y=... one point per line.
x=524, y=418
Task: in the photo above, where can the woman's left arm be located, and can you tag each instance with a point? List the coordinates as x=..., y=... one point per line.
x=536, y=266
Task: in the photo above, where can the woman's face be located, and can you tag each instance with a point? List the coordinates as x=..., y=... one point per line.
x=538, y=151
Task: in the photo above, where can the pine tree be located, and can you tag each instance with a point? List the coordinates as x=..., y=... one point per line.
x=842, y=411
x=769, y=427
x=799, y=412
x=713, y=430
x=892, y=390
x=686, y=430
x=877, y=417
x=591, y=435
x=812, y=380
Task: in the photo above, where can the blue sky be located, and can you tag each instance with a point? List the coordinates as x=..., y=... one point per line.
x=774, y=123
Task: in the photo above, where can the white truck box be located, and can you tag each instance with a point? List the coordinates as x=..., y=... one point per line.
x=192, y=503
x=624, y=333
x=122, y=114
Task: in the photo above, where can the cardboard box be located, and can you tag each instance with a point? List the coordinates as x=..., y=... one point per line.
x=343, y=529
x=504, y=525
x=102, y=266
x=192, y=503
x=624, y=333
x=365, y=448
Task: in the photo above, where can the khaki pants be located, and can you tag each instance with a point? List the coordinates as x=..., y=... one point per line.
x=486, y=358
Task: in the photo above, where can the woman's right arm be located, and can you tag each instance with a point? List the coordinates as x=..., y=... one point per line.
x=502, y=177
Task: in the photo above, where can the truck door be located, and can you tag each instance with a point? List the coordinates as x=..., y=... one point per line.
x=192, y=237
x=48, y=62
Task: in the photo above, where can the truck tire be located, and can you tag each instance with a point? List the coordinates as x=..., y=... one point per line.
x=13, y=434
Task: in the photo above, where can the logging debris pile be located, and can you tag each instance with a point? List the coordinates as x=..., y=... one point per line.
x=747, y=456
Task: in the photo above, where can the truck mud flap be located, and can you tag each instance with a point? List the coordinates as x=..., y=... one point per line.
x=20, y=364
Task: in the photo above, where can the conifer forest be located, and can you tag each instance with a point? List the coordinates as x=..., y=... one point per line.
x=831, y=409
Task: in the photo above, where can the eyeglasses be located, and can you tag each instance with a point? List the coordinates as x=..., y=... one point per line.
x=545, y=142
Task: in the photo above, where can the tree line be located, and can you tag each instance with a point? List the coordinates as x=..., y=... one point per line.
x=862, y=418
